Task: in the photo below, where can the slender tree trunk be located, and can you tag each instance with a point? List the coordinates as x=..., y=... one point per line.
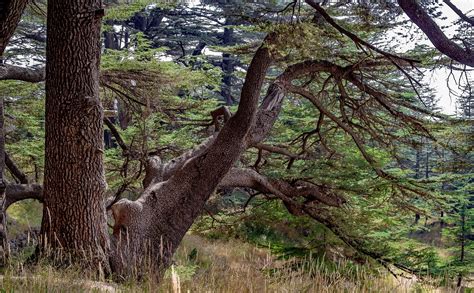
x=417, y=172
x=74, y=219
x=227, y=64
x=3, y=215
x=462, y=238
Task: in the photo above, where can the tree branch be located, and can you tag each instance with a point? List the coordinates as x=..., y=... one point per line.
x=16, y=172
x=238, y=177
x=279, y=150
x=458, y=11
x=358, y=41
x=116, y=134
x=184, y=194
x=355, y=137
x=18, y=192
x=12, y=72
x=419, y=16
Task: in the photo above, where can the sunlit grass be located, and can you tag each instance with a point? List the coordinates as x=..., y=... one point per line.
x=216, y=266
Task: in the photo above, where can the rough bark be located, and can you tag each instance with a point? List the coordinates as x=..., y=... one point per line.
x=446, y=46
x=265, y=118
x=3, y=216
x=12, y=72
x=74, y=220
x=10, y=14
x=148, y=231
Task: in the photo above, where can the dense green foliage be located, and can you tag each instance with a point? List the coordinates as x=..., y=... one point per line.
x=420, y=217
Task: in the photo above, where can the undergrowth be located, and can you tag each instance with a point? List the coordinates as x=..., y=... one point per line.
x=202, y=265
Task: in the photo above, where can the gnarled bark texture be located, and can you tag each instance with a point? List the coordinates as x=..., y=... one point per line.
x=148, y=231
x=10, y=14
x=74, y=220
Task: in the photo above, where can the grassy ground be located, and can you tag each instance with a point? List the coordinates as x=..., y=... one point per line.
x=217, y=266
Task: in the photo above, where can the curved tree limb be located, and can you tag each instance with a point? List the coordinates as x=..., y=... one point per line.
x=173, y=205
x=175, y=164
x=238, y=177
x=18, y=192
x=446, y=46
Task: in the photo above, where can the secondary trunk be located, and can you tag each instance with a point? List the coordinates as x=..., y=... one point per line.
x=74, y=220
x=3, y=215
x=10, y=14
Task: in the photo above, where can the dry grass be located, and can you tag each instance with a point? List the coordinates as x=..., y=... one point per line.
x=205, y=266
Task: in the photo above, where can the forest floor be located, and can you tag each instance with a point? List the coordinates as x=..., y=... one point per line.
x=204, y=265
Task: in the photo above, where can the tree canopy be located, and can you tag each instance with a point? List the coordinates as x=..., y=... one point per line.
x=228, y=117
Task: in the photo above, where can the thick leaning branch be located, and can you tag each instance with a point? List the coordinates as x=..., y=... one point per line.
x=265, y=118
x=173, y=205
x=12, y=72
x=18, y=192
x=446, y=46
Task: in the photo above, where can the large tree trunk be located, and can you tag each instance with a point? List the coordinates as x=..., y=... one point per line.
x=74, y=219
x=148, y=231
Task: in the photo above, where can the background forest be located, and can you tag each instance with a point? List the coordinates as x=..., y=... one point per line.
x=361, y=181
